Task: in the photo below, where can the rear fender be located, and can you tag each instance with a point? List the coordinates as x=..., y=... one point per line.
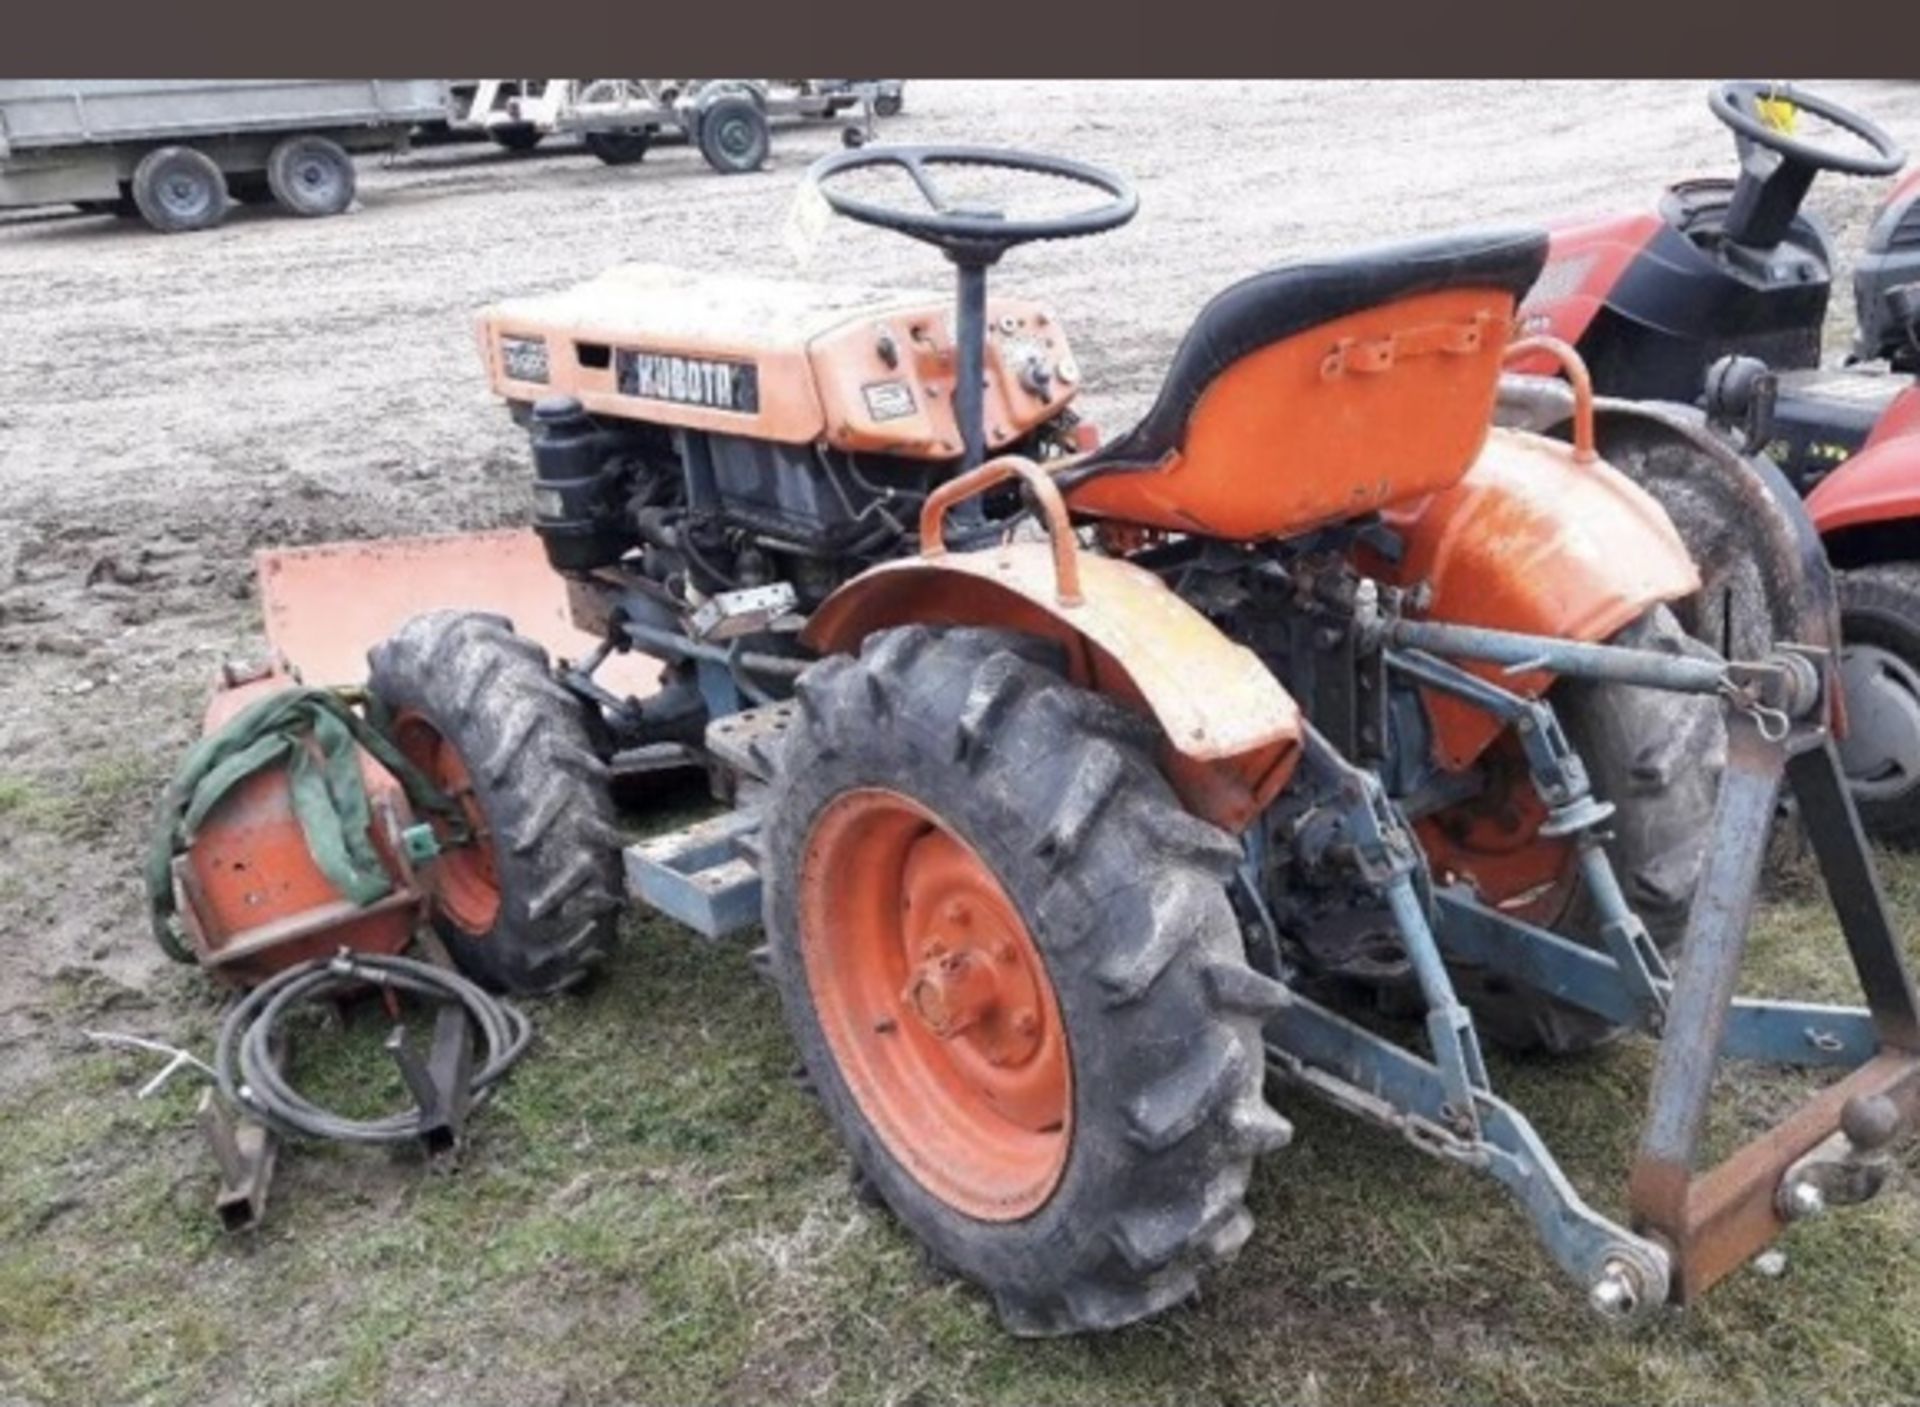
x=1765, y=574
x=1881, y=484
x=1231, y=733
x=1533, y=541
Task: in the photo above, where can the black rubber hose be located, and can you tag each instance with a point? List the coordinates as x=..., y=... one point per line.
x=250, y=1076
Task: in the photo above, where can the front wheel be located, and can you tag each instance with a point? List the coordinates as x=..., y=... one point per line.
x=178, y=189
x=1880, y=677
x=1009, y=961
x=527, y=901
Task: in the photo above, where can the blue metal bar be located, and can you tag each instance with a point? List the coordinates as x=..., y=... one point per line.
x=1368, y=1075
x=1781, y=1032
x=1683, y=674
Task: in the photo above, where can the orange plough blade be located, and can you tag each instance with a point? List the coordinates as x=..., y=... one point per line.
x=326, y=605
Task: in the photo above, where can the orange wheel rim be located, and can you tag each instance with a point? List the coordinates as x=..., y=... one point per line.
x=937, y=1005
x=466, y=886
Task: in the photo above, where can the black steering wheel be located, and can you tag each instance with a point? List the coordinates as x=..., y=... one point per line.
x=1738, y=105
x=973, y=234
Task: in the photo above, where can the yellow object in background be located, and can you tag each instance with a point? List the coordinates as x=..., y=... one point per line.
x=1778, y=113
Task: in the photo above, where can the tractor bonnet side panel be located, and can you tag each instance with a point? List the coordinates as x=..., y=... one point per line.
x=784, y=361
x=1532, y=541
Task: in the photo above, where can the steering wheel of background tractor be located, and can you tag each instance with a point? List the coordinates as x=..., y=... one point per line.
x=1776, y=166
x=973, y=236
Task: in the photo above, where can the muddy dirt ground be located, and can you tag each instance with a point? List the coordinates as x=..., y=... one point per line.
x=169, y=405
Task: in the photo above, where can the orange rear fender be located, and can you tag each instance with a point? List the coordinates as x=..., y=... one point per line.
x=1533, y=541
x=1232, y=733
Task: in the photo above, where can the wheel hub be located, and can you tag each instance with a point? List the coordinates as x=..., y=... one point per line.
x=466, y=885
x=1881, y=753
x=936, y=1002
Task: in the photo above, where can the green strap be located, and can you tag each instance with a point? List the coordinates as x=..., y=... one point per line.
x=329, y=794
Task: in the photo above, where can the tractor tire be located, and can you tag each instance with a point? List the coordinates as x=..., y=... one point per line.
x=1880, y=672
x=178, y=189
x=1079, y=1142
x=531, y=905
x=311, y=177
x=1657, y=756
x=516, y=136
x=733, y=134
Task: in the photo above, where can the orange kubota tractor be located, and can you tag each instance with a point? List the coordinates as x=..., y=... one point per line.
x=1081, y=785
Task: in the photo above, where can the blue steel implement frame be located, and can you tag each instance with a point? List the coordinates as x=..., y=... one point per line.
x=1686, y=1230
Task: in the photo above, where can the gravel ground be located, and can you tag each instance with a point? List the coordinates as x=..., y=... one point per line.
x=168, y=405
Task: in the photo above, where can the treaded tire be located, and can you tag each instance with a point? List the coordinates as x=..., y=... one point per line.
x=1880, y=606
x=1123, y=892
x=541, y=790
x=179, y=189
x=733, y=134
x=311, y=177
x=1657, y=756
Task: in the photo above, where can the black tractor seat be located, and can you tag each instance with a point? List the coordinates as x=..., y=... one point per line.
x=1281, y=302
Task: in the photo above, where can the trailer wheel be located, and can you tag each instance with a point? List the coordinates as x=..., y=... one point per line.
x=516, y=136
x=177, y=189
x=733, y=134
x=888, y=104
x=530, y=906
x=1657, y=756
x=1880, y=672
x=1008, y=959
x=623, y=148
x=311, y=176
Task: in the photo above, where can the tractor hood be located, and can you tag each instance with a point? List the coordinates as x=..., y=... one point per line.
x=784, y=360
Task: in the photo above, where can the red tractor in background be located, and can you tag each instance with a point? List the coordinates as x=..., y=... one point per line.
x=1717, y=300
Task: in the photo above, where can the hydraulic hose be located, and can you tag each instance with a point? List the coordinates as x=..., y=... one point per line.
x=250, y=1076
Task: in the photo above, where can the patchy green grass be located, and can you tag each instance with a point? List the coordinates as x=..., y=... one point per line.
x=85, y=803
x=653, y=1211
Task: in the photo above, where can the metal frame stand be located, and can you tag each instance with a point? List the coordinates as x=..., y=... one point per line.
x=1689, y=1229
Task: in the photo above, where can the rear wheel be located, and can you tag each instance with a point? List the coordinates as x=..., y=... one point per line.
x=178, y=189
x=1880, y=673
x=1008, y=959
x=311, y=176
x=529, y=905
x=1657, y=756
